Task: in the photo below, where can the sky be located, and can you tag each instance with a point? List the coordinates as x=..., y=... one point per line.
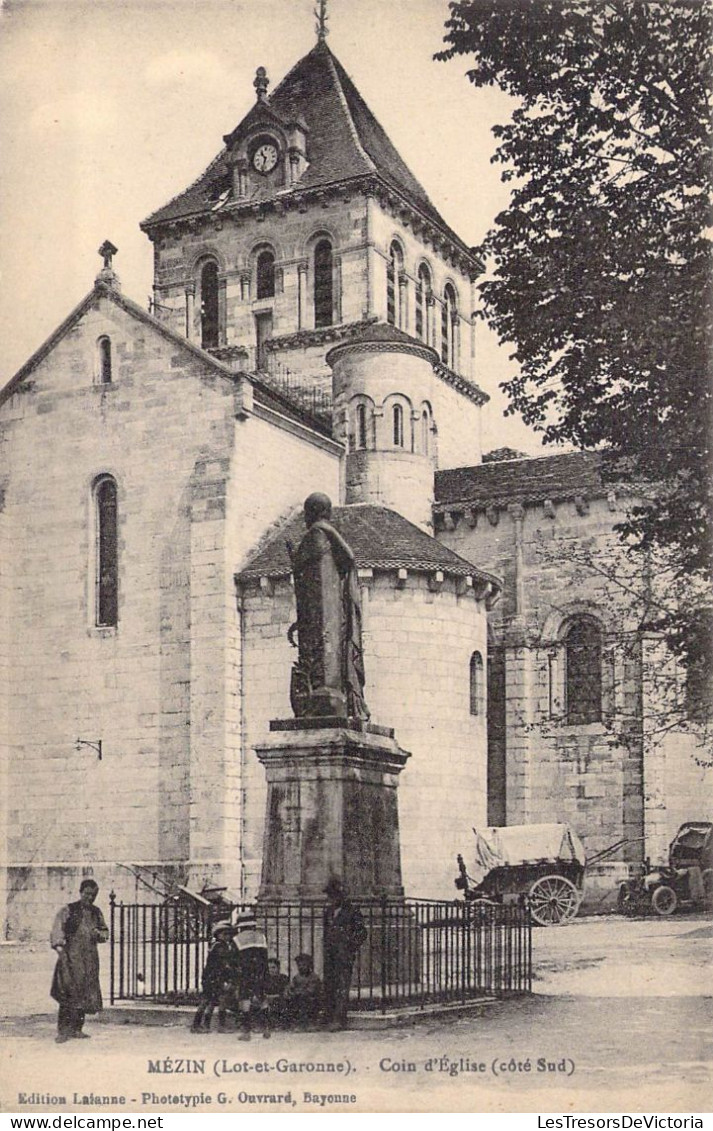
x=110, y=108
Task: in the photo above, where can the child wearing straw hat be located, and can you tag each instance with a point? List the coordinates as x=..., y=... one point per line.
x=253, y=974
x=220, y=979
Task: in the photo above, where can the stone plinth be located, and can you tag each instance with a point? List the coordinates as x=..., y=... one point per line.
x=331, y=809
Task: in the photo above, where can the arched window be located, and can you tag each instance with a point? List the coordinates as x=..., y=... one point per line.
x=104, y=346
x=394, y=271
x=583, y=670
x=423, y=291
x=361, y=426
x=426, y=432
x=449, y=315
x=107, y=558
x=398, y=424
x=265, y=270
x=323, y=284
x=209, y=305
x=477, y=684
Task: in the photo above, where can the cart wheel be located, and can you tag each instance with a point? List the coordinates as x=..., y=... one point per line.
x=553, y=900
x=707, y=877
x=664, y=900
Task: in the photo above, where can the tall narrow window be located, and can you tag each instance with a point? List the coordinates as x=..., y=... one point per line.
x=425, y=432
x=361, y=426
x=423, y=290
x=107, y=559
x=477, y=689
x=449, y=314
x=394, y=269
x=104, y=361
x=209, y=305
x=583, y=671
x=398, y=423
x=265, y=274
x=323, y=284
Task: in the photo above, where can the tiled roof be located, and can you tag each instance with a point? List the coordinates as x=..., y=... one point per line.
x=379, y=538
x=345, y=141
x=562, y=476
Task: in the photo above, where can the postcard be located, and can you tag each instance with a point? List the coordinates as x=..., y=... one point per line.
x=351, y=761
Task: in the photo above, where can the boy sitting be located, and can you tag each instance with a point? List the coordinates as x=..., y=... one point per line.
x=303, y=996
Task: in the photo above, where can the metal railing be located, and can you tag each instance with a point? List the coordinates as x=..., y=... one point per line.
x=416, y=952
x=305, y=390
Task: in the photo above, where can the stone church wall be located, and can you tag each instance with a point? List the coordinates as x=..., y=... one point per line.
x=71, y=813
x=598, y=776
x=161, y=690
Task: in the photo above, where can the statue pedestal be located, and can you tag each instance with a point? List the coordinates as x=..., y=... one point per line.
x=331, y=809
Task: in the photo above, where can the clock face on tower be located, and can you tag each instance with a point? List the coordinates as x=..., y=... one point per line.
x=265, y=157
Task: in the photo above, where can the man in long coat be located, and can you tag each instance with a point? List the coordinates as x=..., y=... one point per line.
x=77, y=929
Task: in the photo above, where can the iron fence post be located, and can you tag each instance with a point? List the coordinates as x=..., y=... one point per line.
x=112, y=905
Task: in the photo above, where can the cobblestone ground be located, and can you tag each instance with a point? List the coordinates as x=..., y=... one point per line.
x=620, y=1021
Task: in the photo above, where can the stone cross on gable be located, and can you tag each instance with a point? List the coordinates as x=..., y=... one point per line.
x=107, y=275
x=321, y=14
x=107, y=252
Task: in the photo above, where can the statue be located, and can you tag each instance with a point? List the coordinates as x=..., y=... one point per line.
x=328, y=678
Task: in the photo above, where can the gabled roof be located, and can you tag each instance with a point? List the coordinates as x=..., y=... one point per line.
x=98, y=291
x=262, y=393
x=379, y=538
x=345, y=142
x=532, y=480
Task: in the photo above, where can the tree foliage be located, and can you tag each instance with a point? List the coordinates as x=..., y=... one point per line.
x=600, y=268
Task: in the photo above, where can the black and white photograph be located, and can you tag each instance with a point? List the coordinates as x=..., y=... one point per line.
x=356, y=621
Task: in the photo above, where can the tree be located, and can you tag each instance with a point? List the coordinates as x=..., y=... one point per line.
x=600, y=267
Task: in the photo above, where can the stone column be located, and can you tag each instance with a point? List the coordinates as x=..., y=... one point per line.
x=190, y=309
x=402, y=300
x=430, y=318
x=455, y=341
x=302, y=267
x=222, y=310
x=337, y=288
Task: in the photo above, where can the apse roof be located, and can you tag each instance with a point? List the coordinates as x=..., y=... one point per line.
x=380, y=538
x=345, y=142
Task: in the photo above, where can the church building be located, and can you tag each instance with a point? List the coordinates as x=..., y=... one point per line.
x=311, y=329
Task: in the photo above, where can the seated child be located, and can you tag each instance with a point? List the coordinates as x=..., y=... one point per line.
x=303, y=997
x=252, y=974
x=275, y=990
x=219, y=980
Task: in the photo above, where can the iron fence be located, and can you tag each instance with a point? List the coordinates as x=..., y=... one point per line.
x=416, y=952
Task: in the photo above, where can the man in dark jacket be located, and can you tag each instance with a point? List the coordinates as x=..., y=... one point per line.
x=77, y=929
x=344, y=933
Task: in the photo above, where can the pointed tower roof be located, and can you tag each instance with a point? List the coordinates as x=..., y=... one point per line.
x=346, y=143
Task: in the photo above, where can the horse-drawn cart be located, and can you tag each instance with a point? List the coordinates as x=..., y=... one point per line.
x=545, y=863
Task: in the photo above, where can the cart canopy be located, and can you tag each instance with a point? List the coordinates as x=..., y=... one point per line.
x=526, y=844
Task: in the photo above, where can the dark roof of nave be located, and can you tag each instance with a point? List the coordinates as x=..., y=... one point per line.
x=345, y=141
x=380, y=538
x=562, y=476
